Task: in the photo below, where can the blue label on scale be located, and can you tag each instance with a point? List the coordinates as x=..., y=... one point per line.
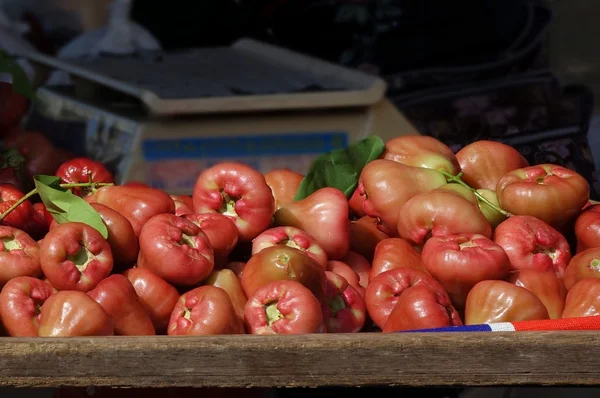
x=243, y=146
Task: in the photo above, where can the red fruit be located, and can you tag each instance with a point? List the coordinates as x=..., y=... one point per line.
x=324, y=216
x=484, y=163
x=356, y=204
x=175, y=249
x=421, y=151
x=342, y=269
x=22, y=215
x=440, y=213
x=292, y=237
x=552, y=193
x=500, y=301
x=80, y=170
x=184, y=204
x=385, y=289
x=279, y=262
x=532, y=244
x=545, y=285
x=461, y=261
x=587, y=228
x=364, y=236
x=583, y=299
x=137, y=204
x=20, y=302
x=344, y=309
x=395, y=253
x=118, y=298
x=221, y=232
x=239, y=192
x=13, y=107
x=19, y=255
x=420, y=307
x=283, y=307
x=284, y=184
x=206, y=310
x=585, y=264
x=157, y=296
x=73, y=313
x=228, y=281
x=388, y=185
x=122, y=240
x=360, y=265
x=74, y=256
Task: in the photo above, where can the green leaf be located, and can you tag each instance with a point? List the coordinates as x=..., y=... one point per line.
x=66, y=207
x=20, y=81
x=341, y=168
x=51, y=181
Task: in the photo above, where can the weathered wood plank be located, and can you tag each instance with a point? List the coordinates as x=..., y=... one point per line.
x=450, y=359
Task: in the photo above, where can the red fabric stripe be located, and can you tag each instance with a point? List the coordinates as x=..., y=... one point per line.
x=586, y=323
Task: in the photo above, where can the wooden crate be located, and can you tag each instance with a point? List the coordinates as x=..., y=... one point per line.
x=365, y=359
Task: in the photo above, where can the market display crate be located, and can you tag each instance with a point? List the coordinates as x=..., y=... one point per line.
x=365, y=359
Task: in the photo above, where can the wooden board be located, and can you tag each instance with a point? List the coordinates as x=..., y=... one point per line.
x=366, y=359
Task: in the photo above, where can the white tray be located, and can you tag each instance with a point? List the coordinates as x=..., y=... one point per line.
x=247, y=76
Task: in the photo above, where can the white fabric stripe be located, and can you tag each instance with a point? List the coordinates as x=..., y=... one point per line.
x=502, y=327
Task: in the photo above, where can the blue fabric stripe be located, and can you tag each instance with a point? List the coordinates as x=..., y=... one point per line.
x=467, y=328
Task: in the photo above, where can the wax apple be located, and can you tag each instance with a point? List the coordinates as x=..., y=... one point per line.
x=585, y=264
x=20, y=302
x=484, y=163
x=239, y=192
x=552, y=193
x=344, y=308
x=440, y=213
x=500, y=301
x=583, y=299
x=19, y=255
x=83, y=169
x=21, y=216
x=175, y=249
x=138, y=204
x=387, y=185
x=157, y=296
x=460, y=190
x=75, y=256
x=360, y=265
x=364, y=236
x=356, y=204
x=228, y=281
x=221, y=232
x=461, y=261
x=284, y=184
x=122, y=240
x=324, y=216
x=395, y=253
x=545, y=285
x=41, y=156
x=385, y=289
x=420, y=307
x=283, y=307
x=292, y=237
x=342, y=269
x=73, y=314
x=587, y=228
x=206, y=310
x=530, y=243
x=118, y=298
x=237, y=267
x=39, y=223
x=283, y=263
x=493, y=216
x=184, y=204
x=421, y=151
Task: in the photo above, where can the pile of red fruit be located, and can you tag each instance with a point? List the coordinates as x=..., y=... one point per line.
x=427, y=239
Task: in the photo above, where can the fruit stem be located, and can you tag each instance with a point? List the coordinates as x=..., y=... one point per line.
x=458, y=180
x=34, y=191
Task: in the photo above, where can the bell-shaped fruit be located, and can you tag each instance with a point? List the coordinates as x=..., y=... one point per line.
x=421, y=151
x=323, y=215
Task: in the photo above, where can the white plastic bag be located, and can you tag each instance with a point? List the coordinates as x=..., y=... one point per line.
x=121, y=36
x=13, y=43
